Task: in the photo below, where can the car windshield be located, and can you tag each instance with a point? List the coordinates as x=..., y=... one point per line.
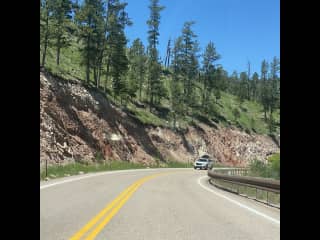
x=202, y=160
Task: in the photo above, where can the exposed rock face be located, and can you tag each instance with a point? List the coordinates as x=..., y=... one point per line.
x=77, y=123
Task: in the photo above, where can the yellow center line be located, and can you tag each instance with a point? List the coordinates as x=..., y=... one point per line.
x=114, y=207
x=95, y=219
x=107, y=219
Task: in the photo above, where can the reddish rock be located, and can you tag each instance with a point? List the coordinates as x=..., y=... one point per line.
x=85, y=120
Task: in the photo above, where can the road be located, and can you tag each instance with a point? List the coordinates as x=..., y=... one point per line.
x=155, y=204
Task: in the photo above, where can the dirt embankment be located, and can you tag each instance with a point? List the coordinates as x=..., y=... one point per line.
x=78, y=124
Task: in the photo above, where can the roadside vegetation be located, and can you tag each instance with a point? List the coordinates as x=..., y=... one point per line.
x=271, y=169
x=58, y=171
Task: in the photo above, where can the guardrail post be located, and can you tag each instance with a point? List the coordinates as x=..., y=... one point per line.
x=256, y=193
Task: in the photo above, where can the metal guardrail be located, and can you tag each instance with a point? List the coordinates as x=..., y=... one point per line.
x=265, y=184
x=232, y=171
x=235, y=176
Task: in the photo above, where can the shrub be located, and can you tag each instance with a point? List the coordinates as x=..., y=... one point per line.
x=271, y=169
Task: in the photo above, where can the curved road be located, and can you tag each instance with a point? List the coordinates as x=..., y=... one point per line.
x=149, y=204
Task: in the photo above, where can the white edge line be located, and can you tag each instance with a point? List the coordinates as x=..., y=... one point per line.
x=99, y=174
x=237, y=203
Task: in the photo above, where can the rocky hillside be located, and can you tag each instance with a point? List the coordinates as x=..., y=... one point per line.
x=80, y=124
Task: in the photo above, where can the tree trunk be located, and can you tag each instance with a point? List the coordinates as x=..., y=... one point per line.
x=151, y=101
x=151, y=96
x=88, y=69
x=270, y=123
x=140, y=89
x=98, y=76
x=107, y=75
x=58, y=50
x=204, y=92
x=58, y=56
x=95, y=76
x=45, y=40
x=271, y=120
x=88, y=61
x=100, y=60
x=99, y=65
x=87, y=73
x=45, y=51
x=105, y=85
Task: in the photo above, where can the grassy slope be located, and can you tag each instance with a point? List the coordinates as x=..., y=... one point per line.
x=251, y=115
x=70, y=60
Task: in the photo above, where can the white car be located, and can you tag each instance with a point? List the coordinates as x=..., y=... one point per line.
x=203, y=163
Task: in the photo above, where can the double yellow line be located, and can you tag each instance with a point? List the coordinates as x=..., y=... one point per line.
x=110, y=210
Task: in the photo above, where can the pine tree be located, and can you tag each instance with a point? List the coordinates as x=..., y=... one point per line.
x=115, y=22
x=210, y=56
x=117, y=57
x=168, y=54
x=119, y=66
x=274, y=90
x=254, y=86
x=220, y=81
x=234, y=83
x=154, y=68
x=61, y=15
x=248, y=81
x=46, y=7
x=176, y=84
x=264, y=88
x=90, y=19
x=190, y=65
x=137, y=58
x=274, y=93
x=242, y=94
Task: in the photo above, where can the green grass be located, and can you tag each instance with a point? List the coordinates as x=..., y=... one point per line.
x=174, y=164
x=251, y=114
x=70, y=59
x=59, y=171
x=274, y=157
x=269, y=170
x=75, y=168
x=146, y=117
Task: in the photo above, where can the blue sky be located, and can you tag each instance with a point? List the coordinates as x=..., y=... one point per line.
x=241, y=30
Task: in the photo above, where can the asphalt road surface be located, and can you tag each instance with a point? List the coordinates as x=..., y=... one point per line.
x=157, y=204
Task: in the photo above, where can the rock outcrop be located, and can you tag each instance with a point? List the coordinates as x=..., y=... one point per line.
x=79, y=124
